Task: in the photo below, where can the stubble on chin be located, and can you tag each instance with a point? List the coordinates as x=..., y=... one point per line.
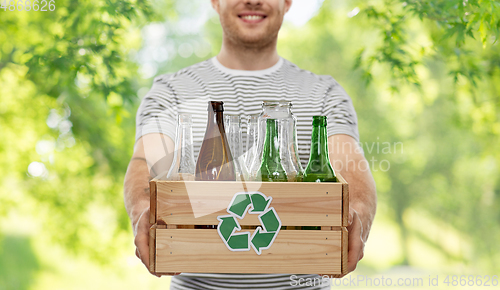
x=246, y=40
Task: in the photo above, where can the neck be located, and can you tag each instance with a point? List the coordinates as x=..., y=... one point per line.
x=271, y=152
x=216, y=119
x=240, y=57
x=319, y=149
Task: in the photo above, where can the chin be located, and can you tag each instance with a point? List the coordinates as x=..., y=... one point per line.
x=255, y=38
x=251, y=36
x=254, y=43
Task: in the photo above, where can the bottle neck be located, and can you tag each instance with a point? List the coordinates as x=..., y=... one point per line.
x=186, y=137
x=271, y=149
x=233, y=135
x=234, y=129
x=216, y=119
x=185, y=148
x=319, y=143
x=252, y=131
x=252, y=137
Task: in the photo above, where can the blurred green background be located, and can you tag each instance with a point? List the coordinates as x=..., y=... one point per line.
x=424, y=77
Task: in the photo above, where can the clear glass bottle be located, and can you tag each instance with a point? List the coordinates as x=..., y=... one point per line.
x=183, y=165
x=251, y=140
x=232, y=125
x=288, y=160
x=294, y=147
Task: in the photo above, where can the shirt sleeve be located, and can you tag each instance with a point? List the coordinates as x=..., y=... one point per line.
x=341, y=116
x=158, y=110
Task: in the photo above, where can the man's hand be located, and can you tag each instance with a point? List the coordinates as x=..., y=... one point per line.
x=347, y=158
x=141, y=234
x=356, y=240
x=152, y=152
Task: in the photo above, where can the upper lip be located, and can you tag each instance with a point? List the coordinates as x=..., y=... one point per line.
x=252, y=13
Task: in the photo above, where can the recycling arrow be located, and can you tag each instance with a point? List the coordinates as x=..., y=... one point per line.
x=227, y=226
x=259, y=202
x=262, y=240
x=239, y=242
x=253, y=203
x=270, y=220
x=239, y=205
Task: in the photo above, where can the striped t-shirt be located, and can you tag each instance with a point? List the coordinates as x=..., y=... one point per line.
x=190, y=89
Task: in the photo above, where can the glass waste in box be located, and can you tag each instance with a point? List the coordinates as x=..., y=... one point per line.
x=249, y=227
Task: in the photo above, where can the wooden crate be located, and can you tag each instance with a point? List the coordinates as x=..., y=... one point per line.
x=177, y=246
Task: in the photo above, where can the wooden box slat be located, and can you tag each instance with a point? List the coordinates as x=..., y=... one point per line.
x=345, y=200
x=297, y=204
x=152, y=201
x=202, y=251
x=152, y=248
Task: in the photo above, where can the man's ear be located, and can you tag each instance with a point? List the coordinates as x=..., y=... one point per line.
x=288, y=4
x=215, y=5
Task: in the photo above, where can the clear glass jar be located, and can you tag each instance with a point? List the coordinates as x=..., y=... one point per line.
x=287, y=138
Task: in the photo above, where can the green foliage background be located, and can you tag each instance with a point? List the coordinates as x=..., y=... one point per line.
x=424, y=74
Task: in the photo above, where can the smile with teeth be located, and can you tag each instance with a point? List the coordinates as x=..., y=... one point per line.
x=252, y=17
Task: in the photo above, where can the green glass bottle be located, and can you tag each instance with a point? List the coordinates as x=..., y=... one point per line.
x=271, y=169
x=319, y=168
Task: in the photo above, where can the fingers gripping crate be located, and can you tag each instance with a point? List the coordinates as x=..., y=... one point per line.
x=252, y=227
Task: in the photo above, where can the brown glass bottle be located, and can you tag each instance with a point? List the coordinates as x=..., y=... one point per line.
x=215, y=162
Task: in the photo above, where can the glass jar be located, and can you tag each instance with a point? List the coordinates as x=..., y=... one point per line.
x=282, y=112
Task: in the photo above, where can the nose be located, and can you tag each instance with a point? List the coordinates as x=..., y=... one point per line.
x=253, y=2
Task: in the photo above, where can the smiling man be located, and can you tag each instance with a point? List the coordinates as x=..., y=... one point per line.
x=247, y=71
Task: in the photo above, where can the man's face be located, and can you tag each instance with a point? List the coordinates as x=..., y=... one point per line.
x=251, y=23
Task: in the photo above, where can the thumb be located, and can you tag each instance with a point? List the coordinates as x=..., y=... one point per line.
x=351, y=217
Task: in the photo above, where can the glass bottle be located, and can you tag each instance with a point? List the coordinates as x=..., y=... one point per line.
x=215, y=160
x=232, y=125
x=271, y=169
x=288, y=160
x=319, y=168
x=183, y=165
x=294, y=147
x=251, y=141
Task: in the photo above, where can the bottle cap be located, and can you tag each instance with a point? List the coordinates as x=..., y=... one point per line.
x=215, y=106
x=319, y=121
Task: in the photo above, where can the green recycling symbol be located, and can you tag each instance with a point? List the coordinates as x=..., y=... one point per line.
x=263, y=237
